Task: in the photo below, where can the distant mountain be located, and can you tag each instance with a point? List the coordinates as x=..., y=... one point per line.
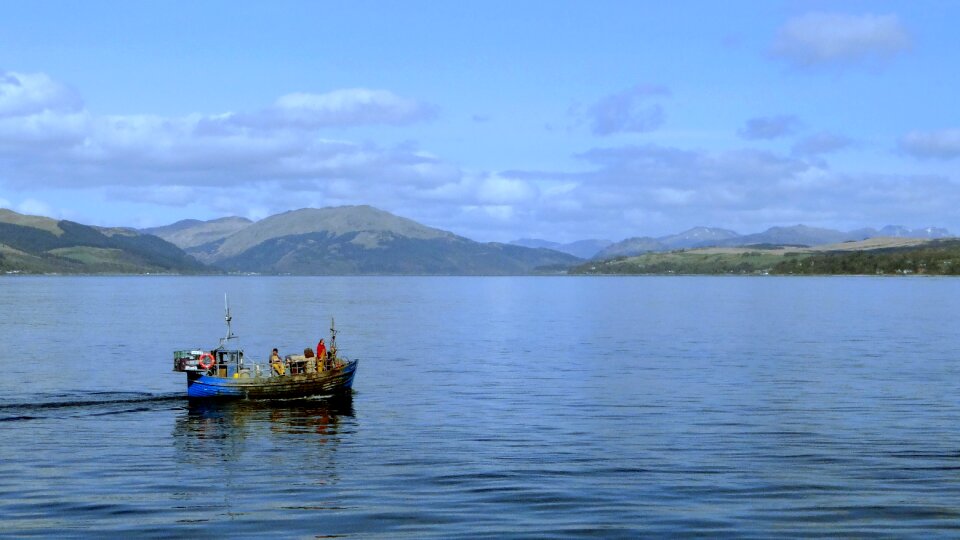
x=349, y=240
x=583, y=249
x=631, y=247
x=34, y=244
x=862, y=234
x=190, y=233
x=797, y=235
x=535, y=243
x=697, y=237
x=899, y=231
x=802, y=235
x=333, y=221
x=605, y=249
x=876, y=256
x=894, y=231
x=365, y=240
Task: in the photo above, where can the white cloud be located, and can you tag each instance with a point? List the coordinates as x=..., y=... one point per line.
x=499, y=190
x=641, y=167
x=939, y=144
x=43, y=131
x=833, y=38
x=34, y=207
x=30, y=93
x=270, y=163
x=339, y=108
x=45, y=136
x=351, y=107
x=650, y=190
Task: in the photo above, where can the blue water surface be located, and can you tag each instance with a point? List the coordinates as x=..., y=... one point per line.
x=488, y=407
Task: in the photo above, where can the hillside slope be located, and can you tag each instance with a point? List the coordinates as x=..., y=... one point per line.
x=365, y=240
x=630, y=247
x=332, y=221
x=34, y=244
x=190, y=233
x=874, y=256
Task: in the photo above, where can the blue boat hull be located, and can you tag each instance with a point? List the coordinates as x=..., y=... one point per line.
x=328, y=382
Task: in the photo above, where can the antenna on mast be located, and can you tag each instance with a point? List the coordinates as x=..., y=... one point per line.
x=227, y=318
x=333, y=337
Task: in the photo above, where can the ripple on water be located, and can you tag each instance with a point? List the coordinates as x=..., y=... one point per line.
x=493, y=407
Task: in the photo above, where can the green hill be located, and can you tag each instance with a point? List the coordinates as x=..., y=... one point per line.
x=937, y=257
x=335, y=221
x=388, y=253
x=696, y=261
x=33, y=244
x=876, y=256
x=365, y=240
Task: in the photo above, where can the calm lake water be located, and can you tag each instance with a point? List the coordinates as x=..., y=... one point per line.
x=489, y=407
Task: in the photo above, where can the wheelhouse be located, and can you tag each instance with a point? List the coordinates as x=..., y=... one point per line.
x=220, y=362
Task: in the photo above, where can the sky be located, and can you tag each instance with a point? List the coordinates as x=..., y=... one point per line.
x=493, y=120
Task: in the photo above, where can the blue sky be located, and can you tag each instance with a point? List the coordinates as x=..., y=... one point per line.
x=495, y=120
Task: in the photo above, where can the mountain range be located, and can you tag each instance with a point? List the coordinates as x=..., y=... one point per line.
x=351, y=240
x=346, y=240
x=698, y=237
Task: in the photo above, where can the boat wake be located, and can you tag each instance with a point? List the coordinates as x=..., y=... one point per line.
x=85, y=404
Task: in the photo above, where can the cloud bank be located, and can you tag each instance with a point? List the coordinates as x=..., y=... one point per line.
x=648, y=189
x=45, y=133
x=33, y=93
x=339, y=108
x=940, y=144
x=296, y=152
x=816, y=39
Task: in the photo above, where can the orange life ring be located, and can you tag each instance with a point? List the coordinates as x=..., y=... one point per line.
x=209, y=365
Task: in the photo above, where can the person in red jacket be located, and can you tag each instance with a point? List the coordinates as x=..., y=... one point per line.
x=321, y=350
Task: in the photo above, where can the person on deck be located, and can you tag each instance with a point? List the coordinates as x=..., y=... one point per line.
x=321, y=350
x=277, y=363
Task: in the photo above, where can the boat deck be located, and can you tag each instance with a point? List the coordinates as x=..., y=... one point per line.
x=271, y=385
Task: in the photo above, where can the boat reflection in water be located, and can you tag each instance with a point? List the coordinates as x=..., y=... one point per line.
x=299, y=433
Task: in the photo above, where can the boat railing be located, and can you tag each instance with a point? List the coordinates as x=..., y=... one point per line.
x=291, y=366
x=241, y=367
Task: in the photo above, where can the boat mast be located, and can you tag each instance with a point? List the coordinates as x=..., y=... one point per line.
x=333, y=338
x=227, y=318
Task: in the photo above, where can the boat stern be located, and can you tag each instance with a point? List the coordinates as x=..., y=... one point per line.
x=187, y=360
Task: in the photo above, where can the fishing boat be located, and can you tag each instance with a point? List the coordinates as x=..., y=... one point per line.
x=225, y=373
